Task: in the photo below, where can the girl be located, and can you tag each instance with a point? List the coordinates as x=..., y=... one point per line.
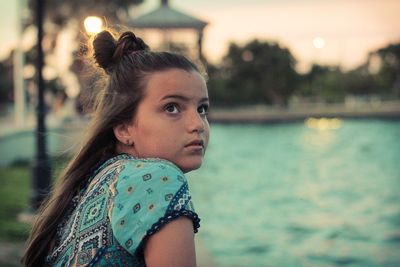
x=124, y=200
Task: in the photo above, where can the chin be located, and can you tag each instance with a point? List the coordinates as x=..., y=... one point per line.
x=190, y=166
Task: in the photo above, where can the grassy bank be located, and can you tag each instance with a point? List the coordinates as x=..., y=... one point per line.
x=15, y=193
x=14, y=199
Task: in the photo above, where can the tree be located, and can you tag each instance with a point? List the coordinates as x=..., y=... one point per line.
x=323, y=83
x=307, y=87
x=360, y=81
x=258, y=72
x=388, y=76
x=60, y=12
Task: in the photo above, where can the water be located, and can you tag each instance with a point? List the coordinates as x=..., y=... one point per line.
x=288, y=195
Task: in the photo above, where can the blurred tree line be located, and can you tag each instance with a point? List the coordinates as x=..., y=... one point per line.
x=262, y=72
x=259, y=72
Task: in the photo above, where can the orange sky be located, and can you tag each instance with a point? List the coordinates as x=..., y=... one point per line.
x=351, y=28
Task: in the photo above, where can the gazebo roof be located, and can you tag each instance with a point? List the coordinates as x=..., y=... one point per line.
x=166, y=17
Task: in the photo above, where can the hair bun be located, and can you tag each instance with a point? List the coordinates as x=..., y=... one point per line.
x=128, y=43
x=104, y=46
x=108, y=51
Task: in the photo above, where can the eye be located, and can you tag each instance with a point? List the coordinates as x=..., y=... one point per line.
x=172, y=108
x=203, y=109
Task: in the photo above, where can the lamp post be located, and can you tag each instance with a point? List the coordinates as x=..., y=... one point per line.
x=42, y=169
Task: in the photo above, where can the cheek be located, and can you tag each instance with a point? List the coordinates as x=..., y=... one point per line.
x=155, y=137
x=144, y=135
x=207, y=132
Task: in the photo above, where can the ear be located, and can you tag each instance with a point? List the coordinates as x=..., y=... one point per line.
x=123, y=133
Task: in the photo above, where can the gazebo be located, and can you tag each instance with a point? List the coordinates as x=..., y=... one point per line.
x=165, y=18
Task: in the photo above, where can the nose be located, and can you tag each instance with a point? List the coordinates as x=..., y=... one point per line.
x=196, y=123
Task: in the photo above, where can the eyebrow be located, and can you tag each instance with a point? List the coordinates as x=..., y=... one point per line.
x=183, y=98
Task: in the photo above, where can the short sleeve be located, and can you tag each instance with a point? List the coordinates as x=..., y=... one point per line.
x=148, y=195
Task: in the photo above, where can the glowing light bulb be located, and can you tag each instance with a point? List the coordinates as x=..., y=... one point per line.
x=93, y=24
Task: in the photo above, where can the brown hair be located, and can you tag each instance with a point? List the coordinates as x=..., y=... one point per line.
x=128, y=63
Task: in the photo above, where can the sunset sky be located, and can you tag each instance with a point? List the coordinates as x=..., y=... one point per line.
x=350, y=28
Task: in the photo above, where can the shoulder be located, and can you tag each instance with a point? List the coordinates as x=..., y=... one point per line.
x=158, y=173
x=148, y=194
x=126, y=167
x=151, y=167
x=147, y=183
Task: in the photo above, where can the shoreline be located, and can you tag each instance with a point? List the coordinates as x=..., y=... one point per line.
x=263, y=114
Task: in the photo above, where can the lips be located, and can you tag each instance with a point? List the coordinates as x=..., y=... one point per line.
x=196, y=143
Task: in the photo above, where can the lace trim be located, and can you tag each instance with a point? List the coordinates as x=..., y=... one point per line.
x=172, y=216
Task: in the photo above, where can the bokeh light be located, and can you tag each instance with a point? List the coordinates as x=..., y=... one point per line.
x=319, y=42
x=93, y=24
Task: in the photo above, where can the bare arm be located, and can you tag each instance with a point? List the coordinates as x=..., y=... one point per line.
x=172, y=246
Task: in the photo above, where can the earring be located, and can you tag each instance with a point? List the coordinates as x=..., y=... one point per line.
x=128, y=142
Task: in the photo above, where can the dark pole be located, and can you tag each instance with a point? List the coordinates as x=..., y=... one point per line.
x=200, y=44
x=42, y=170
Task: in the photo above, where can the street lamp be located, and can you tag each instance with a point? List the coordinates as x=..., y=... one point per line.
x=42, y=168
x=93, y=24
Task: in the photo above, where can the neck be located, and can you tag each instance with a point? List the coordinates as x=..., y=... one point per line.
x=122, y=148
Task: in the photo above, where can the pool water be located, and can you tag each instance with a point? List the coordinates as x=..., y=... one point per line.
x=290, y=195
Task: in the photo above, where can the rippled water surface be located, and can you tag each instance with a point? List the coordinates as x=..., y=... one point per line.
x=289, y=195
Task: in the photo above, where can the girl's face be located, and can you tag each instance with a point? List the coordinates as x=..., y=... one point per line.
x=171, y=120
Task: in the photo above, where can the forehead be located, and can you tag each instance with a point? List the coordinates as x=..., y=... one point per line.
x=176, y=81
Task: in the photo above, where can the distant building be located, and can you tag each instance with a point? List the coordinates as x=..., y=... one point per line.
x=169, y=28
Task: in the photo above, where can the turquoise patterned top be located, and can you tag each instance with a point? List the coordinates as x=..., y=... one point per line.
x=126, y=200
